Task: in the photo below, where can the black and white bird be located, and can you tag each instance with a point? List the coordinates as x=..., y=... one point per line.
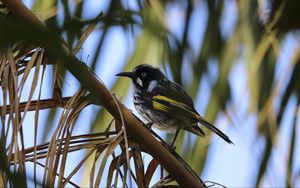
x=166, y=104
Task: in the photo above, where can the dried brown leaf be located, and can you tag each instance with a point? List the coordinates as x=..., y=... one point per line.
x=108, y=152
x=150, y=171
x=139, y=165
x=86, y=33
x=33, y=84
x=27, y=70
x=113, y=167
x=36, y=119
x=80, y=164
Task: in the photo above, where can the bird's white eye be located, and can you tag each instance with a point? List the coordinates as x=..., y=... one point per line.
x=144, y=74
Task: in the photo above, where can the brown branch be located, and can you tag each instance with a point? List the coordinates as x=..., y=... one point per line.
x=101, y=95
x=42, y=104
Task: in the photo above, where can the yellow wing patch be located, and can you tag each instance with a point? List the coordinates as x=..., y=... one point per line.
x=159, y=106
x=167, y=99
x=181, y=105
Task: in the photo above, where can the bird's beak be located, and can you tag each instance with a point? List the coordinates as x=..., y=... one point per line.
x=126, y=74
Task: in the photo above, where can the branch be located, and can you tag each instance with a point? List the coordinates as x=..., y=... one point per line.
x=41, y=105
x=101, y=95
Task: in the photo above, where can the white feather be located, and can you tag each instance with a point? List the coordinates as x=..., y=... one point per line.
x=152, y=85
x=139, y=81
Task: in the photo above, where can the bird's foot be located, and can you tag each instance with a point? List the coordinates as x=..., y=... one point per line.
x=172, y=147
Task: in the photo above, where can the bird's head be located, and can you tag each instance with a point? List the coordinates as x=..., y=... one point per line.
x=143, y=75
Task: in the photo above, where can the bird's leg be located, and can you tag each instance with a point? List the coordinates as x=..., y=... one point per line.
x=174, y=139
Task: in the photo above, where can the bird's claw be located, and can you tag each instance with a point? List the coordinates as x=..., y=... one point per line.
x=172, y=147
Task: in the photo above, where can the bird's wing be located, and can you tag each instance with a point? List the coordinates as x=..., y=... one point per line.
x=171, y=98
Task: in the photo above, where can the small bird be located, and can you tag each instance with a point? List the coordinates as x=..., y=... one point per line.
x=165, y=104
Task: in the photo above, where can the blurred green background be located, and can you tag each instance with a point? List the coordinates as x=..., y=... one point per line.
x=237, y=59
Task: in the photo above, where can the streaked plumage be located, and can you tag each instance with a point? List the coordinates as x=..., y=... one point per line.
x=165, y=103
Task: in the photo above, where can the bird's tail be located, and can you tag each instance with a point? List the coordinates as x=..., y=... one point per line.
x=214, y=129
x=195, y=129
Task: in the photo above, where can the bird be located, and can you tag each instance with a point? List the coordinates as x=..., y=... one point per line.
x=165, y=104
